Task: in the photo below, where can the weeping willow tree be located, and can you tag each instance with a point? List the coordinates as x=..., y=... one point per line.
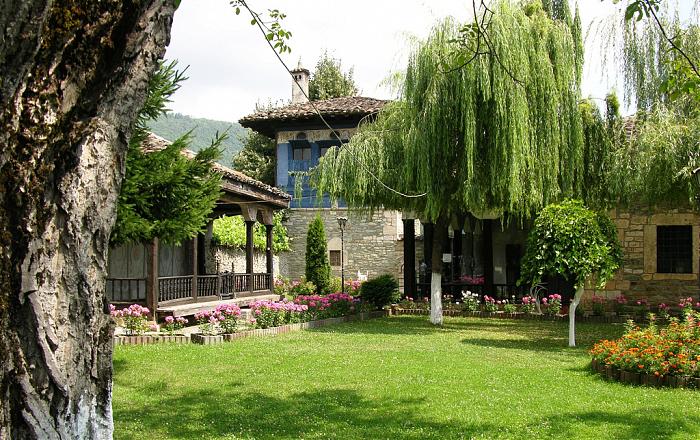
x=488, y=121
x=653, y=163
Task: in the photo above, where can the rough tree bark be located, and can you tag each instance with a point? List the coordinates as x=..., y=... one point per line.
x=439, y=235
x=73, y=75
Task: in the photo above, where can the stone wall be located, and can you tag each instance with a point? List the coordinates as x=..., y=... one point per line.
x=372, y=242
x=638, y=278
x=233, y=260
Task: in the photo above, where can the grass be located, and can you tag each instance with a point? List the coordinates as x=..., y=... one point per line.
x=392, y=378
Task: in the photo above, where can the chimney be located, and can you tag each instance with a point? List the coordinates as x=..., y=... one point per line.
x=300, y=85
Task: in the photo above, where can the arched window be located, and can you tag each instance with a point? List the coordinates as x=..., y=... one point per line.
x=301, y=136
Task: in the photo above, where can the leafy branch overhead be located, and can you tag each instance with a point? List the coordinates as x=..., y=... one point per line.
x=275, y=34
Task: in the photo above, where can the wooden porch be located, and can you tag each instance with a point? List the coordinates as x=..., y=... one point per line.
x=188, y=294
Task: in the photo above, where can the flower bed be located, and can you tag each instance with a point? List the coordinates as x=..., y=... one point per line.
x=652, y=355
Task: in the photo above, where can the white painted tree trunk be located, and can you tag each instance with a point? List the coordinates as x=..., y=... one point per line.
x=436, y=299
x=572, y=315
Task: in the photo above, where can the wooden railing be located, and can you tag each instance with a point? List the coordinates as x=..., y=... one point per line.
x=172, y=288
x=222, y=285
x=241, y=282
x=207, y=285
x=262, y=281
x=126, y=289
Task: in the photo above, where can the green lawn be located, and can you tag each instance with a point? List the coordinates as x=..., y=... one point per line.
x=392, y=378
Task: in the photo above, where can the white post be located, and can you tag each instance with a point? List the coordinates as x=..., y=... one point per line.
x=436, y=299
x=572, y=315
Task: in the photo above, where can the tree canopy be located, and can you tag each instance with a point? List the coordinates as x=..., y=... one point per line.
x=257, y=158
x=502, y=125
x=571, y=240
x=329, y=81
x=164, y=193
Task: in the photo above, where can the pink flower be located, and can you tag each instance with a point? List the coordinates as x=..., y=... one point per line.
x=169, y=319
x=153, y=327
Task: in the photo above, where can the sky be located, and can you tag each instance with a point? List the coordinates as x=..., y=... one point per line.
x=231, y=68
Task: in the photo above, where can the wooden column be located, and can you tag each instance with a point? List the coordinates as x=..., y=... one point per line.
x=487, y=253
x=195, y=267
x=428, y=229
x=409, y=258
x=249, y=224
x=152, y=277
x=268, y=250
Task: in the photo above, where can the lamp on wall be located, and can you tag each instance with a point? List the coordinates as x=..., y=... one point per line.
x=342, y=222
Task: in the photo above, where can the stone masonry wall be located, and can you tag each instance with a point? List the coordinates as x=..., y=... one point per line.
x=372, y=244
x=638, y=278
x=233, y=260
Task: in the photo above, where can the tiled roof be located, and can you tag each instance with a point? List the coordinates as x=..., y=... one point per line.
x=336, y=107
x=156, y=143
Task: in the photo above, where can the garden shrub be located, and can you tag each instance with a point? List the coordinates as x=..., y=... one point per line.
x=380, y=291
x=223, y=319
x=329, y=306
x=318, y=268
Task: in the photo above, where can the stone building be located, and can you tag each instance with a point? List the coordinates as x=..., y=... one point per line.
x=372, y=241
x=661, y=256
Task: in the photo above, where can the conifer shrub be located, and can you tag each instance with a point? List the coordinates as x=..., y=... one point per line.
x=380, y=291
x=318, y=268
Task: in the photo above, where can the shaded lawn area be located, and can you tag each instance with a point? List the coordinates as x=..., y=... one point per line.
x=395, y=377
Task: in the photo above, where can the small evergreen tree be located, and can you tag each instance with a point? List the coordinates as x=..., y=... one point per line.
x=164, y=193
x=318, y=268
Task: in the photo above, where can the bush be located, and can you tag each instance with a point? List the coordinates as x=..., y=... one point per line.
x=380, y=291
x=318, y=268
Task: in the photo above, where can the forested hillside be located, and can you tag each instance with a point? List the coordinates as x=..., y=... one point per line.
x=174, y=125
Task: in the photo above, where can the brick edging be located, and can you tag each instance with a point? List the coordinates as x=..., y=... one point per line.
x=615, y=374
x=198, y=338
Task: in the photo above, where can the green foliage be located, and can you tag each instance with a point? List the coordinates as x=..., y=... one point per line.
x=165, y=194
x=318, y=268
x=257, y=159
x=660, y=56
x=171, y=126
x=230, y=231
x=380, y=291
x=505, y=131
x=573, y=241
x=329, y=80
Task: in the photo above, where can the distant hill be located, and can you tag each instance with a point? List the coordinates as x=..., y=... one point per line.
x=174, y=125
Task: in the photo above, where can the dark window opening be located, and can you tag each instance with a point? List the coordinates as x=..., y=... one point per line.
x=301, y=153
x=301, y=136
x=335, y=258
x=674, y=249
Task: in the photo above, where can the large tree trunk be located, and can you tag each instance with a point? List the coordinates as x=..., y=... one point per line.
x=439, y=235
x=73, y=75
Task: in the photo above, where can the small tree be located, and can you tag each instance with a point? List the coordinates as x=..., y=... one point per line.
x=318, y=268
x=164, y=193
x=257, y=158
x=573, y=241
x=329, y=80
